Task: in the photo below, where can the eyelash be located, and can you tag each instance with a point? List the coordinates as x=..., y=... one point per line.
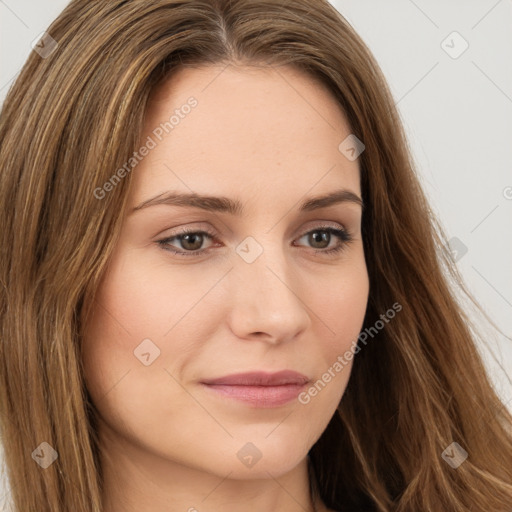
x=342, y=234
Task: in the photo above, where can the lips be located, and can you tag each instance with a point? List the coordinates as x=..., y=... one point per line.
x=259, y=389
x=281, y=378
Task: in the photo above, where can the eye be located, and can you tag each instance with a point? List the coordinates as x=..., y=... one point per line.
x=320, y=238
x=190, y=240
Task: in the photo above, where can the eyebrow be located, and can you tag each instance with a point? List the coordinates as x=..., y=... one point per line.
x=234, y=207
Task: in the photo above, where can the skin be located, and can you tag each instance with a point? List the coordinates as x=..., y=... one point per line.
x=269, y=138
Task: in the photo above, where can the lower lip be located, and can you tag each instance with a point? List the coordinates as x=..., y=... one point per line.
x=259, y=396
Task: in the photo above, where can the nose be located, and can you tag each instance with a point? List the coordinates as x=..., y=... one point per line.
x=267, y=303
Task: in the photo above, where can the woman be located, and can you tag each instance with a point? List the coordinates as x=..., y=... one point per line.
x=222, y=286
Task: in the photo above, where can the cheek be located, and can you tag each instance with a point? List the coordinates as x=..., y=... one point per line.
x=142, y=298
x=138, y=307
x=123, y=316
x=125, y=360
x=340, y=306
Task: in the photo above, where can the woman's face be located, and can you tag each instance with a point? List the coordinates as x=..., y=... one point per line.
x=251, y=289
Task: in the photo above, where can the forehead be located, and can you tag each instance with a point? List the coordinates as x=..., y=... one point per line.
x=251, y=129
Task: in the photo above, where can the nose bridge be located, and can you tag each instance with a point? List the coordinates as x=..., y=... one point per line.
x=266, y=297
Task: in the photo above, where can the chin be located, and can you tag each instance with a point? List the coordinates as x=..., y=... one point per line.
x=257, y=458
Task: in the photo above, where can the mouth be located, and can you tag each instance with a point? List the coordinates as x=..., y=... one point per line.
x=259, y=389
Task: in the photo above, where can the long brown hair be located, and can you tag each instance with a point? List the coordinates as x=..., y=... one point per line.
x=75, y=115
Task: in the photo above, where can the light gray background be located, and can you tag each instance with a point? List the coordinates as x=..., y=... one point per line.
x=457, y=113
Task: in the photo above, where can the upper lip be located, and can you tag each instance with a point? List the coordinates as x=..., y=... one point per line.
x=260, y=378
